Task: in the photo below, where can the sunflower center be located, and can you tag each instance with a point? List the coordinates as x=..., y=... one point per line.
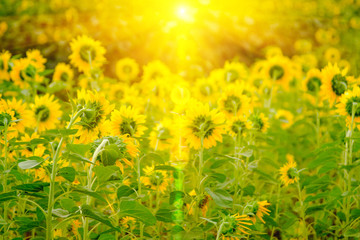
x=232, y=104
x=238, y=127
x=28, y=72
x=203, y=126
x=42, y=113
x=206, y=89
x=313, y=84
x=203, y=202
x=339, y=84
x=231, y=75
x=92, y=115
x=157, y=178
x=349, y=106
x=276, y=72
x=5, y=119
x=292, y=173
x=128, y=126
x=87, y=53
x=64, y=77
x=127, y=69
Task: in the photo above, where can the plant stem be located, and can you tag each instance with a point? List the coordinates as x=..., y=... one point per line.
x=302, y=211
x=219, y=231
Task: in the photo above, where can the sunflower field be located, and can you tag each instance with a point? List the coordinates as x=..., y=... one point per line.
x=182, y=119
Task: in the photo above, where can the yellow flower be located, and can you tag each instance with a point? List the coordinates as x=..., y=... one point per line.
x=28, y=150
x=4, y=66
x=45, y=112
x=332, y=55
x=289, y=173
x=91, y=124
x=87, y=53
x=286, y=118
x=161, y=136
x=155, y=179
x=22, y=115
x=313, y=81
x=235, y=224
x=278, y=69
x=272, y=51
x=259, y=122
x=155, y=70
x=206, y=90
x=75, y=226
x=127, y=69
x=237, y=126
x=127, y=120
x=260, y=209
x=335, y=83
x=128, y=222
x=36, y=59
x=22, y=72
x=64, y=73
x=303, y=46
x=350, y=101
x=201, y=122
x=234, y=72
x=233, y=102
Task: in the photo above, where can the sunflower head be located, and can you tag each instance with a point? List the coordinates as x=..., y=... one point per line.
x=127, y=69
x=257, y=209
x=37, y=60
x=313, y=81
x=234, y=72
x=236, y=224
x=259, y=122
x=285, y=117
x=238, y=126
x=278, y=69
x=45, y=112
x=349, y=105
x=289, y=174
x=155, y=70
x=63, y=73
x=233, y=102
x=4, y=65
x=156, y=179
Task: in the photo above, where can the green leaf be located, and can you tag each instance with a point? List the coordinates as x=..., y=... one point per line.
x=7, y=196
x=313, y=209
x=32, y=187
x=68, y=173
x=56, y=86
x=76, y=157
x=78, y=148
x=176, y=195
x=218, y=177
x=25, y=224
x=219, y=163
x=60, y=132
x=248, y=153
x=103, y=173
x=124, y=191
x=60, y=213
x=138, y=211
x=37, y=141
x=88, y=211
x=221, y=197
x=352, y=233
x=28, y=164
x=165, y=168
x=109, y=155
x=106, y=237
x=164, y=215
x=67, y=204
x=90, y=193
x=153, y=157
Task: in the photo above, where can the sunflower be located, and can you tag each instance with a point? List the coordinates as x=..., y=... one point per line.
x=332, y=55
x=22, y=72
x=233, y=101
x=64, y=73
x=29, y=150
x=161, y=136
x=313, y=81
x=303, y=46
x=45, y=112
x=21, y=114
x=201, y=122
x=155, y=179
x=234, y=72
x=285, y=117
x=205, y=90
x=278, y=69
x=155, y=70
x=87, y=53
x=289, y=173
x=259, y=209
x=127, y=120
x=350, y=101
x=272, y=51
x=259, y=122
x=128, y=222
x=335, y=83
x=238, y=125
x=127, y=69
x=36, y=59
x=4, y=65
x=91, y=124
x=233, y=225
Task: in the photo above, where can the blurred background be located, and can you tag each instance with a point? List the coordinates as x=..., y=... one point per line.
x=191, y=37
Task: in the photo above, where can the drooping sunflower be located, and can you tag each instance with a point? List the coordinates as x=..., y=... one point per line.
x=278, y=69
x=285, y=117
x=237, y=126
x=155, y=70
x=36, y=59
x=91, y=124
x=259, y=122
x=335, y=83
x=313, y=81
x=233, y=101
x=233, y=225
x=350, y=101
x=4, y=66
x=87, y=53
x=21, y=114
x=155, y=179
x=259, y=209
x=161, y=136
x=127, y=69
x=45, y=112
x=64, y=73
x=289, y=173
x=234, y=72
x=201, y=122
x=127, y=120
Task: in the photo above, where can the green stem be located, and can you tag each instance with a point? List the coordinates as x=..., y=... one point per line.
x=302, y=211
x=5, y=171
x=49, y=229
x=219, y=231
x=138, y=166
